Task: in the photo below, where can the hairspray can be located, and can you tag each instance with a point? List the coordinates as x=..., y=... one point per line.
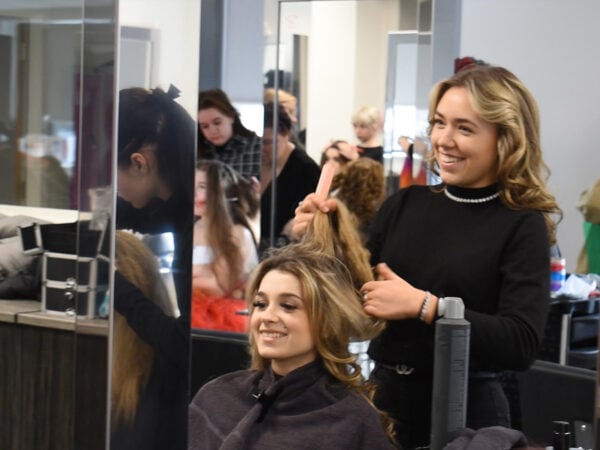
x=450, y=374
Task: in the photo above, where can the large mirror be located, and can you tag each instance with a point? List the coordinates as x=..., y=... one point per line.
x=55, y=151
x=156, y=92
x=464, y=28
x=53, y=51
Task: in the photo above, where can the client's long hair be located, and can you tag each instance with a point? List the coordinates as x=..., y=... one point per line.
x=331, y=265
x=132, y=357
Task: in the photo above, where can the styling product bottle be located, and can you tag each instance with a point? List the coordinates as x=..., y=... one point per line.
x=450, y=374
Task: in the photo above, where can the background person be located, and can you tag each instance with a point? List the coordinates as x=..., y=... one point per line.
x=290, y=104
x=339, y=153
x=225, y=251
x=297, y=174
x=222, y=136
x=367, y=122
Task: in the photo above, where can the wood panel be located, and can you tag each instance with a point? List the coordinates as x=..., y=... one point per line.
x=46, y=401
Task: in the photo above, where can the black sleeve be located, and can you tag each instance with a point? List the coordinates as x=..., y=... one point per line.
x=168, y=336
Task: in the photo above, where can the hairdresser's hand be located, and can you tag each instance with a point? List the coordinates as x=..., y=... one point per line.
x=391, y=297
x=305, y=212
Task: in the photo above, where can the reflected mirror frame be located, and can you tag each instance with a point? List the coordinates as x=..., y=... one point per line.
x=96, y=172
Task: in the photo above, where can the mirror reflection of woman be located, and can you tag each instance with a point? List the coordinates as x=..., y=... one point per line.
x=225, y=250
x=305, y=388
x=338, y=153
x=297, y=175
x=141, y=397
x=155, y=172
x=222, y=136
x=483, y=235
x=367, y=122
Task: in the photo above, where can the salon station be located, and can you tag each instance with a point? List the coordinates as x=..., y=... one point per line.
x=64, y=63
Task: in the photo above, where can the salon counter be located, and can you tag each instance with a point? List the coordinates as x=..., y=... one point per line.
x=54, y=376
x=29, y=312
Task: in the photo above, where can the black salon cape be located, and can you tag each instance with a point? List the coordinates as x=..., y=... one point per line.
x=306, y=409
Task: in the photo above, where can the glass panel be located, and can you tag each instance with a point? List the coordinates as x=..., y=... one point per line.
x=41, y=153
x=156, y=137
x=333, y=68
x=226, y=212
x=95, y=202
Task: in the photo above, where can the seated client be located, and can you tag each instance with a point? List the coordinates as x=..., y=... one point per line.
x=304, y=389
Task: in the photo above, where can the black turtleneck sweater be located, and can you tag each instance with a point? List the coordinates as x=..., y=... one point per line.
x=496, y=259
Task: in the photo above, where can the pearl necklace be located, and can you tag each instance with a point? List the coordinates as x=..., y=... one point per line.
x=470, y=200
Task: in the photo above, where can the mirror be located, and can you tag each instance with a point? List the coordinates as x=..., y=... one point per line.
x=566, y=119
x=157, y=89
x=226, y=198
x=55, y=148
x=332, y=66
x=36, y=114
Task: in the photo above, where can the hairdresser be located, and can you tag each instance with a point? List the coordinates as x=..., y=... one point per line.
x=483, y=235
x=155, y=170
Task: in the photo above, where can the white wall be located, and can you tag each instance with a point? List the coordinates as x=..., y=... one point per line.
x=552, y=45
x=347, y=48
x=178, y=25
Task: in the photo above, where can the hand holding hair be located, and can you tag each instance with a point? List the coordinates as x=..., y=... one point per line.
x=391, y=297
x=305, y=212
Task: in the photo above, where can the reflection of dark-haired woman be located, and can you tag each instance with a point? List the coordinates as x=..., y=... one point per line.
x=222, y=136
x=155, y=182
x=297, y=174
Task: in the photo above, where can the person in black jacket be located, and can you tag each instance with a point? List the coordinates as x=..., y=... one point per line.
x=296, y=175
x=155, y=196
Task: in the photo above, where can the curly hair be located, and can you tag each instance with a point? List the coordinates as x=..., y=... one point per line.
x=501, y=99
x=360, y=185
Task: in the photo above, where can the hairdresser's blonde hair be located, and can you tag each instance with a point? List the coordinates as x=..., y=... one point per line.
x=132, y=357
x=501, y=99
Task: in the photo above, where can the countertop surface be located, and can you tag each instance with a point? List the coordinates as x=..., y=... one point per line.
x=29, y=312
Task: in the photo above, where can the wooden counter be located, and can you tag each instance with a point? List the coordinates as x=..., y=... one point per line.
x=54, y=377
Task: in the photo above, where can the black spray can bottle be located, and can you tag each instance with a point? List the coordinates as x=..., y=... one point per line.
x=450, y=373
